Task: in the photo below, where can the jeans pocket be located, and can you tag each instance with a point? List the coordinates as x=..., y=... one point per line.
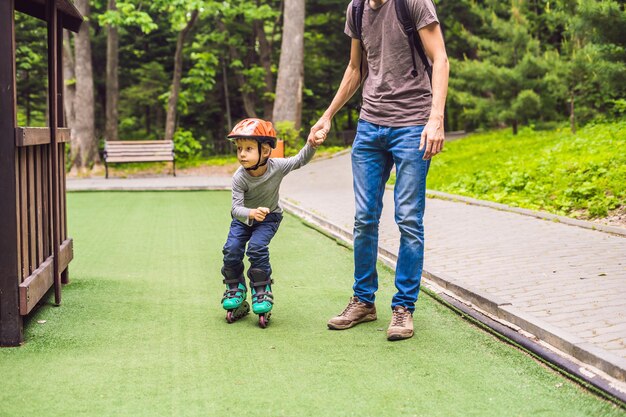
x=276, y=224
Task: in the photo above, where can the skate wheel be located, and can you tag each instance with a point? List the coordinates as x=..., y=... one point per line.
x=263, y=321
x=230, y=317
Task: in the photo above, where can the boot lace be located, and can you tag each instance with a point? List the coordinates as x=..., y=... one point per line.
x=351, y=306
x=399, y=317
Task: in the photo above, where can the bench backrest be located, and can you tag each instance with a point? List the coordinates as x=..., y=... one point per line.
x=139, y=150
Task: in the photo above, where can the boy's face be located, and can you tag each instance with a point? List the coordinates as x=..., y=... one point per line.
x=248, y=152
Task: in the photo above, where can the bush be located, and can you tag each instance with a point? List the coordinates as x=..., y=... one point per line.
x=185, y=145
x=290, y=135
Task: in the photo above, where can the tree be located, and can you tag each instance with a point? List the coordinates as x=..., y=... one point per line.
x=69, y=89
x=498, y=81
x=84, y=149
x=288, y=104
x=245, y=40
x=326, y=52
x=119, y=14
x=170, y=120
x=112, y=82
x=594, y=59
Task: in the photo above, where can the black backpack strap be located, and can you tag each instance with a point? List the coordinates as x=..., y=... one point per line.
x=357, y=16
x=413, y=37
x=358, y=6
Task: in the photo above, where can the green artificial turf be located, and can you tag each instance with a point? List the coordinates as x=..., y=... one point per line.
x=141, y=333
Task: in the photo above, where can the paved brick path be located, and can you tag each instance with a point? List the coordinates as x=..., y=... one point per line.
x=564, y=284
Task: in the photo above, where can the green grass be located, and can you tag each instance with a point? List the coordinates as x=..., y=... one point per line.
x=141, y=333
x=581, y=175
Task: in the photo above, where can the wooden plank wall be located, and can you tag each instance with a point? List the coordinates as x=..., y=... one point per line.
x=34, y=247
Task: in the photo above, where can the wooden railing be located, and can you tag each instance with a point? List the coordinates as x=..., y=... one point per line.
x=37, y=178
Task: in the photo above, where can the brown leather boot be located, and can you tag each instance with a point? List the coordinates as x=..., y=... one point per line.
x=355, y=312
x=401, y=326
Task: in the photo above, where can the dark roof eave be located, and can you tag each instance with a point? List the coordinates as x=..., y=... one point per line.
x=71, y=17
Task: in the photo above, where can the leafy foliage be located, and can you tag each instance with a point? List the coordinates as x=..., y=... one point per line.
x=31, y=70
x=516, y=63
x=185, y=145
x=290, y=135
x=532, y=62
x=580, y=175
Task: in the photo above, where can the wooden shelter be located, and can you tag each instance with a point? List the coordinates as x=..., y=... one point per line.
x=34, y=247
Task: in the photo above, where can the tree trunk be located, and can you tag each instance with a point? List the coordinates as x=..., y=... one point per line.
x=288, y=104
x=69, y=94
x=112, y=83
x=170, y=119
x=572, y=115
x=148, y=128
x=28, y=109
x=229, y=119
x=265, y=55
x=84, y=101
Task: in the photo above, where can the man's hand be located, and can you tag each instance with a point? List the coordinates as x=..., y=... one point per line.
x=432, y=137
x=318, y=132
x=259, y=214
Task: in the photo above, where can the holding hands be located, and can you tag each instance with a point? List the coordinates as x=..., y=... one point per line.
x=318, y=133
x=259, y=214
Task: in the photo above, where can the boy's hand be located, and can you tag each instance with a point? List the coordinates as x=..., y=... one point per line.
x=259, y=214
x=318, y=138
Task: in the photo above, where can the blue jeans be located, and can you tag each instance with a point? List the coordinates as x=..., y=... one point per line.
x=374, y=152
x=257, y=236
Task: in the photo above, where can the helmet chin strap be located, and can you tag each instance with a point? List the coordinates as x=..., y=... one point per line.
x=259, y=163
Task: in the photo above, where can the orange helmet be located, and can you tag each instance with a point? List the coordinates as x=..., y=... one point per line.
x=260, y=130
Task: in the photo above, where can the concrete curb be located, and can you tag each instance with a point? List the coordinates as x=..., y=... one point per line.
x=173, y=188
x=196, y=183
x=516, y=319
x=332, y=155
x=526, y=212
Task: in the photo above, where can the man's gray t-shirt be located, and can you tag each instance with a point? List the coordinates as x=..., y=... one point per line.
x=391, y=95
x=252, y=192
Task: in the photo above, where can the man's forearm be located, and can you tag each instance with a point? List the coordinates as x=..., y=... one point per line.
x=349, y=85
x=441, y=71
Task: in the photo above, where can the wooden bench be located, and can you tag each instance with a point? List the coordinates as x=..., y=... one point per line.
x=120, y=151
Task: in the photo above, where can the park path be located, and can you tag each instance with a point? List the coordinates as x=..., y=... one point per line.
x=564, y=284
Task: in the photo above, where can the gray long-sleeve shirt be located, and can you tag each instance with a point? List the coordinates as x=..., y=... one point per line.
x=252, y=192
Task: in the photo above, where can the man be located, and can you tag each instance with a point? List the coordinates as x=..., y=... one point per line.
x=401, y=123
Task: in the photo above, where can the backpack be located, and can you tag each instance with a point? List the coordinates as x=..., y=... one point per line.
x=404, y=17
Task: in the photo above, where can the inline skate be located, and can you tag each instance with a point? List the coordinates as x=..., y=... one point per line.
x=234, y=299
x=262, y=297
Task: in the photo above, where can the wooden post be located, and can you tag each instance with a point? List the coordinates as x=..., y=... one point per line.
x=52, y=20
x=10, y=319
x=65, y=277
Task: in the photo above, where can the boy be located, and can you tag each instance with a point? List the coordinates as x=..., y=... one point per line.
x=256, y=216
